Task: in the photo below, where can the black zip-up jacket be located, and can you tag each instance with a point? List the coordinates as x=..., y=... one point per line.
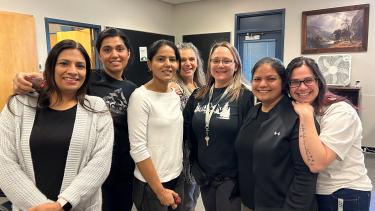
x=272, y=173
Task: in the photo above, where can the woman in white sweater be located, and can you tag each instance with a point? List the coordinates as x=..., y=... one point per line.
x=55, y=149
x=155, y=132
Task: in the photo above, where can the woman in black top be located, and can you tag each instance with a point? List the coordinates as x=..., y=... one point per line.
x=272, y=174
x=212, y=118
x=115, y=53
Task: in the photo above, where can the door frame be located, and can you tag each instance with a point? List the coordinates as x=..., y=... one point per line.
x=238, y=32
x=96, y=30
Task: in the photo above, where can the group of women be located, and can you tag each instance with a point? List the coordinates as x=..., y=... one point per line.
x=296, y=147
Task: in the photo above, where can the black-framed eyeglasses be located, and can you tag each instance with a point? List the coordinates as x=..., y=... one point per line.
x=307, y=81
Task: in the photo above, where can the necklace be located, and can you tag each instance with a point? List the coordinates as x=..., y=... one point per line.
x=209, y=113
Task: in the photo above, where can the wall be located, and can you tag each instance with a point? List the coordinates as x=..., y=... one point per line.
x=219, y=15
x=143, y=15
x=208, y=16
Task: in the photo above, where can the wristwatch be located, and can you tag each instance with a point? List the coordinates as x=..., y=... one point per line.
x=64, y=204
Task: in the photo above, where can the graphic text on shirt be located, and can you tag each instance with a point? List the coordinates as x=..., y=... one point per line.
x=223, y=112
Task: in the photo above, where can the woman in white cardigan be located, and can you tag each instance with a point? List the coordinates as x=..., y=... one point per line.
x=55, y=149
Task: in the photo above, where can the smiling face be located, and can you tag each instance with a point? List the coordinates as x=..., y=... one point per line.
x=70, y=71
x=189, y=63
x=163, y=64
x=114, y=55
x=222, y=66
x=267, y=85
x=304, y=93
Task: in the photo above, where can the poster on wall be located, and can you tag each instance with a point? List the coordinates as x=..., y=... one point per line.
x=340, y=29
x=143, y=54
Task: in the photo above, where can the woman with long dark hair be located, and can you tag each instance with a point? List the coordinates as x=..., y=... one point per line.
x=115, y=53
x=335, y=153
x=55, y=149
x=155, y=132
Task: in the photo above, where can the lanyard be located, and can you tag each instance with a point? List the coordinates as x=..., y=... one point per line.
x=209, y=112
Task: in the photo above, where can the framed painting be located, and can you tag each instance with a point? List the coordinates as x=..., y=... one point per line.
x=340, y=29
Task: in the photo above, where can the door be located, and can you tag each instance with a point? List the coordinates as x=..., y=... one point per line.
x=17, y=50
x=256, y=46
x=258, y=35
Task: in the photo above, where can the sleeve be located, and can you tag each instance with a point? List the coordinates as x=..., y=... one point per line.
x=189, y=137
x=246, y=103
x=138, y=113
x=92, y=176
x=14, y=182
x=301, y=193
x=340, y=137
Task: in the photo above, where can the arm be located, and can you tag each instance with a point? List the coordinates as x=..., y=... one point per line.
x=18, y=187
x=189, y=136
x=176, y=88
x=20, y=83
x=301, y=193
x=165, y=196
x=138, y=112
x=315, y=153
x=92, y=176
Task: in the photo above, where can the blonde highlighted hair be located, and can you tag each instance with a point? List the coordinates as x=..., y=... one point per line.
x=235, y=86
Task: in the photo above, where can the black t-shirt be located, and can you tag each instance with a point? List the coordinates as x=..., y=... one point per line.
x=116, y=94
x=218, y=158
x=49, y=145
x=244, y=147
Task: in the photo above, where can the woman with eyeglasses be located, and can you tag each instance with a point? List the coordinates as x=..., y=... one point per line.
x=335, y=153
x=272, y=174
x=213, y=116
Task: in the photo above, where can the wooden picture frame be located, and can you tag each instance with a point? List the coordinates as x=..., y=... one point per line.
x=340, y=29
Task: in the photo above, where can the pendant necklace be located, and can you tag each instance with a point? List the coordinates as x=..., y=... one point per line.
x=209, y=112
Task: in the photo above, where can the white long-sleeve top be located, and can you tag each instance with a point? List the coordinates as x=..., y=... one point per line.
x=155, y=124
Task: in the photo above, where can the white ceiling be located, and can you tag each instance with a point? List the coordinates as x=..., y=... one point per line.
x=178, y=1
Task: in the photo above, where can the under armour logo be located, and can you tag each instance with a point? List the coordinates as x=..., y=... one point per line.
x=276, y=133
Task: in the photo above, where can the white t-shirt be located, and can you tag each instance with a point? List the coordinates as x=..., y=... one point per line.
x=341, y=131
x=155, y=124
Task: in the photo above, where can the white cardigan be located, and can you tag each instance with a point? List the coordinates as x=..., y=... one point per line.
x=87, y=165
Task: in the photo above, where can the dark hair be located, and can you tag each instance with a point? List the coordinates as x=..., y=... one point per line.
x=155, y=46
x=277, y=65
x=113, y=32
x=49, y=76
x=324, y=97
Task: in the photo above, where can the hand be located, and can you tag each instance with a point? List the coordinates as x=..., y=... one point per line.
x=176, y=88
x=21, y=85
x=50, y=206
x=303, y=109
x=167, y=198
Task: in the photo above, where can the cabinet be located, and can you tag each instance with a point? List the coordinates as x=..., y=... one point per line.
x=350, y=92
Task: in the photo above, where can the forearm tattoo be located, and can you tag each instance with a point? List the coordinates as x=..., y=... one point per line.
x=302, y=136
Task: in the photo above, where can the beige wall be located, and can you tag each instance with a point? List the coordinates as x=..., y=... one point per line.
x=218, y=16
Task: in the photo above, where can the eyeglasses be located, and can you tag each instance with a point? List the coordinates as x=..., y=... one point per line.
x=224, y=61
x=295, y=83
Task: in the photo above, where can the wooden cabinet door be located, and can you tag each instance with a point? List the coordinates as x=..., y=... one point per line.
x=18, y=52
